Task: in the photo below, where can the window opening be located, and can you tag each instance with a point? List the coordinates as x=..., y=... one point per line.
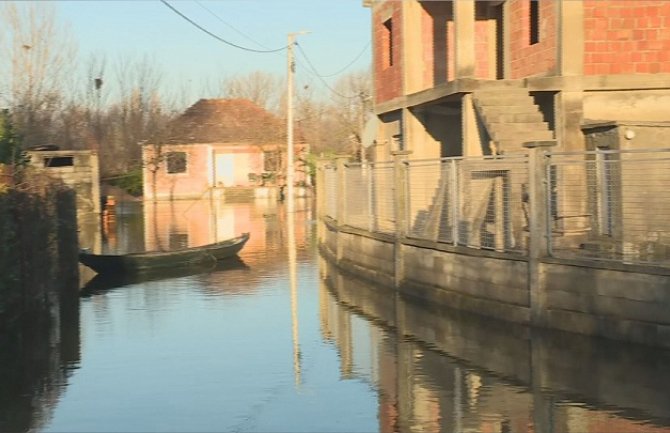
x=59, y=161
x=534, y=21
x=176, y=162
x=388, y=42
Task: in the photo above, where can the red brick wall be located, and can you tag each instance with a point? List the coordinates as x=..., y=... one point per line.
x=388, y=80
x=624, y=37
x=538, y=59
x=439, y=47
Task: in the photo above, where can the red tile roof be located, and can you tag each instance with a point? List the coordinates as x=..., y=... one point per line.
x=227, y=121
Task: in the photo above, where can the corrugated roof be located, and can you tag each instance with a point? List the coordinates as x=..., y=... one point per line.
x=227, y=121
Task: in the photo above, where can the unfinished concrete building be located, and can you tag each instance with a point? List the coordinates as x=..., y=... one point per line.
x=473, y=77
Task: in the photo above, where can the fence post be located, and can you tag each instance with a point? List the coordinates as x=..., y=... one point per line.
x=538, y=227
x=455, y=202
x=321, y=186
x=340, y=161
x=401, y=205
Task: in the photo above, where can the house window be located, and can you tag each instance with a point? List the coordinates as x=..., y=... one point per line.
x=387, y=43
x=176, y=162
x=534, y=21
x=271, y=161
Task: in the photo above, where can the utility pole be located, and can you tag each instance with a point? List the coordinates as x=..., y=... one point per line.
x=290, y=151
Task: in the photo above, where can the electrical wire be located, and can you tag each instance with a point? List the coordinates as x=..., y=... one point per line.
x=311, y=66
x=201, y=28
x=230, y=26
x=358, y=56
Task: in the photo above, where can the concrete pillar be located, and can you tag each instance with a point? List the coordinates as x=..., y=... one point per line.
x=569, y=109
x=400, y=175
x=416, y=138
x=569, y=117
x=507, y=40
x=464, y=20
x=538, y=226
x=570, y=16
x=321, y=164
x=321, y=201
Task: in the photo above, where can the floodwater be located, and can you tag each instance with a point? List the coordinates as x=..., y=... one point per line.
x=283, y=342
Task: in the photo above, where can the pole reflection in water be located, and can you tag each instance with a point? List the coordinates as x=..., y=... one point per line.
x=293, y=281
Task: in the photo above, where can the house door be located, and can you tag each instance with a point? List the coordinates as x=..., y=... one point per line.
x=225, y=169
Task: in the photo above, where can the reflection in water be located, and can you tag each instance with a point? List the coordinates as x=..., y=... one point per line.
x=209, y=351
x=456, y=372
x=292, y=269
x=36, y=359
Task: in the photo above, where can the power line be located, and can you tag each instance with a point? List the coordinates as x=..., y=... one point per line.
x=311, y=66
x=230, y=26
x=348, y=65
x=215, y=36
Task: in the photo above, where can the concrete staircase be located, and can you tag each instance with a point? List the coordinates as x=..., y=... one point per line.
x=511, y=118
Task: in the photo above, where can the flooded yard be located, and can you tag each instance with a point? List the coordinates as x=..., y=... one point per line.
x=282, y=341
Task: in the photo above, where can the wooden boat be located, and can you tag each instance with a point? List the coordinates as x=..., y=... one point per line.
x=139, y=263
x=102, y=283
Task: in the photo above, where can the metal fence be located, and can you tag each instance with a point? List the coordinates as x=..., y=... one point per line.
x=370, y=196
x=605, y=205
x=330, y=177
x=610, y=205
x=478, y=202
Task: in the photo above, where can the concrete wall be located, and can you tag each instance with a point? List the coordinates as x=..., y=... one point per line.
x=627, y=105
x=629, y=303
x=457, y=280
x=80, y=171
x=375, y=256
x=608, y=302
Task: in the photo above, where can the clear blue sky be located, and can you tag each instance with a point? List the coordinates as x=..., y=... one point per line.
x=340, y=29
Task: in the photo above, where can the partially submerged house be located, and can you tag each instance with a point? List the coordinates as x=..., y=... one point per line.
x=228, y=147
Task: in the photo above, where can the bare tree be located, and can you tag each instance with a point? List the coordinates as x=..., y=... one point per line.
x=37, y=54
x=336, y=124
x=262, y=88
x=350, y=107
x=136, y=116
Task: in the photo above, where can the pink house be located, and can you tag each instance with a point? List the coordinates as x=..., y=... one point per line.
x=219, y=146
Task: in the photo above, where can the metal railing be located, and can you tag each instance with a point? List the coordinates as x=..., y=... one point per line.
x=476, y=202
x=610, y=205
x=370, y=192
x=604, y=205
x=330, y=177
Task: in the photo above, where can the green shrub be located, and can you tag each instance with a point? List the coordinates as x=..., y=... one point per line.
x=130, y=182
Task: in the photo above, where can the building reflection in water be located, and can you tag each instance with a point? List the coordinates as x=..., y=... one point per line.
x=36, y=360
x=441, y=370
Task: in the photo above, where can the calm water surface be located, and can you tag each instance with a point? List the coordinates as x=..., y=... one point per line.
x=282, y=342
